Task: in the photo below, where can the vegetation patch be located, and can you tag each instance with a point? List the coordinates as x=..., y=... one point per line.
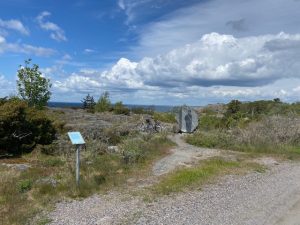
x=195, y=177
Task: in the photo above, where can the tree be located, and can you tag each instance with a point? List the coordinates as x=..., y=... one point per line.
x=103, y=103
x=32, y=86
x=89, y=103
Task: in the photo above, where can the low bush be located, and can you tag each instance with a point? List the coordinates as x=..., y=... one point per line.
x=23, y=127
x=119, y=108
x=275, y=134
x=166, y=117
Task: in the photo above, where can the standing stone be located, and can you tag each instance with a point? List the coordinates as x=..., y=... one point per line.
x=187, y=119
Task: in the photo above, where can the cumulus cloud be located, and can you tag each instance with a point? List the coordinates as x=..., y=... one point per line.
x=213, y=61
x=187, y=24
x=6, y=87
x=24, y=48
x=15, y=25
x=57, y=33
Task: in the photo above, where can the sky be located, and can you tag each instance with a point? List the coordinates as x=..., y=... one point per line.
x=156, y=52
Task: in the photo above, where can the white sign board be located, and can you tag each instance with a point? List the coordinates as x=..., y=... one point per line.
x=76, y=138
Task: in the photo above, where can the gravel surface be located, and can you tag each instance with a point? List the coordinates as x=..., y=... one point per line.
x=266, y=198
x=185, y=155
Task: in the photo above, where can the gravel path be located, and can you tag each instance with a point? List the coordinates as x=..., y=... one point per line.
x=183, y=155
x=266, y=198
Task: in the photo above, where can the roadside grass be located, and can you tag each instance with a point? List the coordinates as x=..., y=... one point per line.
x=25, y=193
x=261, y=145
x=196, y=177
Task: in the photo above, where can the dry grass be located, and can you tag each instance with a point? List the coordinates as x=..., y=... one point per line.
x=25, y=193
x=277, y=135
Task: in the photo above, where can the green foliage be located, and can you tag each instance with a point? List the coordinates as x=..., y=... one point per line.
x=189, y=177
x=209, y=122
x=103, y=104
x=23, y=127
x=141, y=110
x=119, y=108
x=89, y=103
x=166, y=117
x=32, y=86
x=24, y=185
x=271, y=135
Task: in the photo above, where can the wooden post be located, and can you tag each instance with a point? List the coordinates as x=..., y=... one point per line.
x=78, y=147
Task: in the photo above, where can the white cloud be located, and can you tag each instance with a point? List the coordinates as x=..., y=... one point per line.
x=216, y=66
x=89, y=51
x=57, y=33
x=6, y=87
x=14, y=25
x=237, y=17
x=24, y=48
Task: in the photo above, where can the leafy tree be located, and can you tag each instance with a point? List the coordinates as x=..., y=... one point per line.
x=32, y=86
x=233, y=107
x=103, y=103
x=89, y=103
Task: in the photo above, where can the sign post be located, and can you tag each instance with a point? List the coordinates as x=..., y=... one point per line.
x=77, y=140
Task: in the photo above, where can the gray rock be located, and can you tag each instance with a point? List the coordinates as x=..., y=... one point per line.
x=19, y=167
x=47, y=180
x=187, y=119
x=112, y=149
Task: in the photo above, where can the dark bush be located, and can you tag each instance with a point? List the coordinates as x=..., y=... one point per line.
x=21, y=127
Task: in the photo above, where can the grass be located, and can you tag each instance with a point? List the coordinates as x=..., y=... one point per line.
x=263, y=145
x=195, y=177
x=23, y=194
x=165, y=117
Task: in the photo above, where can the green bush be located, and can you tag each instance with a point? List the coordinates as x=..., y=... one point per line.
x=119, y=108
x=103, y=104
x=23, y=127
x=141, y=110
x=165, y=117
x=24, y=185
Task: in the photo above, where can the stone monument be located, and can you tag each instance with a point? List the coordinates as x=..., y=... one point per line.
x=187, y=119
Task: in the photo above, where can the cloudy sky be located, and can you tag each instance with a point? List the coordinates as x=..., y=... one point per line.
x=155, y=51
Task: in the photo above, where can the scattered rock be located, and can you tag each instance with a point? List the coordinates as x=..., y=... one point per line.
x=112, y=149
x=19, y=167
x=47, y=180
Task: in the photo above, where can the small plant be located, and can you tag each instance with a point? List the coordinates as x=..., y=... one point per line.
x=24, y=185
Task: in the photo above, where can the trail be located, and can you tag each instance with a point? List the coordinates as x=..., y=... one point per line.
x=185, y=155
x=269, y=198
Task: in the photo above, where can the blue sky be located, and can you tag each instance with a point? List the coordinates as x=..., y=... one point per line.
x=155, y=51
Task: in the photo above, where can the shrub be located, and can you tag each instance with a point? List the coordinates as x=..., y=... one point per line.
x=165, y=117
x=119, y=108
x=141, y=110
x=24, y=185
x=103, y=103
x=23, y=127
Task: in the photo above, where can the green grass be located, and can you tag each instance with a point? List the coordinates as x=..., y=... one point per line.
x=222, y=140
x=165, y=117
x=194, y=177
x=23, y=195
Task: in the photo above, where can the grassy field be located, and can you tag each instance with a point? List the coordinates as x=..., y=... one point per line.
x=24, y=193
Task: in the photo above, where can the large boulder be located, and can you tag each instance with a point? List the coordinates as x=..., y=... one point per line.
x=187, y=119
